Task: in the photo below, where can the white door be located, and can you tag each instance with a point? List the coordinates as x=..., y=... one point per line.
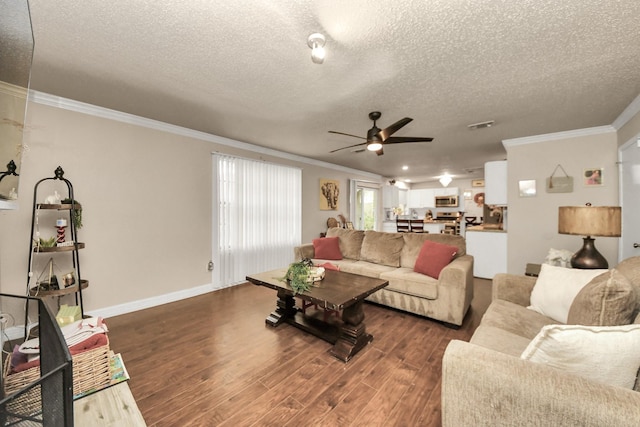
x=630, y=198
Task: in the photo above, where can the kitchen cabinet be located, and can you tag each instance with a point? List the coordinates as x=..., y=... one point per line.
x=426, y=197
x=489, y=251
x=389, y=226
x=390, y=196
x=495, y=183
x=434, y=227
x=421, y=198
x=447, y=191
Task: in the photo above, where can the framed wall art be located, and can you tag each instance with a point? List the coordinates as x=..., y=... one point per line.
x=592, y=177
x=329, y=194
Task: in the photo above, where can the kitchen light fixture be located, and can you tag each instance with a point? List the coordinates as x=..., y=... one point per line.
x=589, y=221
x=445, y=180
x=316, y=42
x=405, y=167
x=481, y=125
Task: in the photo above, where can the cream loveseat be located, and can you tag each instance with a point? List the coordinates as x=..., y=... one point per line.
x=392, y=256
x=486, y=382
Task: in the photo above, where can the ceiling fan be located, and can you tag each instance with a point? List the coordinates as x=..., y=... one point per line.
x=377, y=138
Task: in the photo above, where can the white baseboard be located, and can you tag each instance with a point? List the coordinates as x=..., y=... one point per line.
x=17, y=332
x=132, y=306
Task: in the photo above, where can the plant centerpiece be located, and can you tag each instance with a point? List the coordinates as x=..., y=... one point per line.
x=302, y=274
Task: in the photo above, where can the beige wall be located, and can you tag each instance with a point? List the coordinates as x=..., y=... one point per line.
x=533, y=222
x=630, y=130
x=146, y=197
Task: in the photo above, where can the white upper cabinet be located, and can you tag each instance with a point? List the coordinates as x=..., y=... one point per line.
x=390, y=196
x=495, y=183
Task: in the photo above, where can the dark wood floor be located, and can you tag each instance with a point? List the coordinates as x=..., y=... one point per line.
x=212, y=361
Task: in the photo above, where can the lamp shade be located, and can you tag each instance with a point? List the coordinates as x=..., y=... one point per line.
x=590, y=220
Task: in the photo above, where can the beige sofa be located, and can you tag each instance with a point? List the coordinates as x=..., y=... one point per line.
x=486, y=383
x=391, y=256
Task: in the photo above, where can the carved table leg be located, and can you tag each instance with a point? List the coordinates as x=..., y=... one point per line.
x=352, y=333
x=285, y=308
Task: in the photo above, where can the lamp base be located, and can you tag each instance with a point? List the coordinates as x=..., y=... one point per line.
x=588, y=256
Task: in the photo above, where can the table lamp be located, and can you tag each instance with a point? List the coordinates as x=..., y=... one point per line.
x=589, y=221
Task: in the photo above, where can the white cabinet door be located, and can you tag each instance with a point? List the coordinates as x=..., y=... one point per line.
x=390, y=196
x=495, y=183
x=428, y=198
x=413, y=199
x=489, y=251
x=402, y=197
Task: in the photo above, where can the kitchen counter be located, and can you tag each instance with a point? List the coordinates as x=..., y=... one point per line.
x=489, y=249
x=482, y=228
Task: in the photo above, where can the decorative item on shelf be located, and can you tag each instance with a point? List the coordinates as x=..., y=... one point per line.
x=52, y=199
x=301, y=275
x=605, y=221
x=61, y=224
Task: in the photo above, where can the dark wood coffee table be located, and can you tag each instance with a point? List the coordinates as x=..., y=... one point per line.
x=337, y=291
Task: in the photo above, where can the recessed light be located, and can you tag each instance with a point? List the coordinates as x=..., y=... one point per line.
x=407, y=180
x=481, y=125
x=405, y=167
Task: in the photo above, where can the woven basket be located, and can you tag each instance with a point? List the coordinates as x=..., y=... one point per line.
x=91, y=370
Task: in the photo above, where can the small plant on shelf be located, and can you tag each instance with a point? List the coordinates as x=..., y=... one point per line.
x=76, y=214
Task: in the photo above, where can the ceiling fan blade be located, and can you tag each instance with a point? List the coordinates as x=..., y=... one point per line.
x=351, y=146
x=380, y=152
x=403, y=139
x=386, y=133
x=346, y=134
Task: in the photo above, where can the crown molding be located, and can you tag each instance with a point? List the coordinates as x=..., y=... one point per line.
x=599, y=130
x=106, y=113
x=628, y=113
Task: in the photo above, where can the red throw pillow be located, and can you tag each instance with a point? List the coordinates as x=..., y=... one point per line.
x=327, y=248
x=433, y=258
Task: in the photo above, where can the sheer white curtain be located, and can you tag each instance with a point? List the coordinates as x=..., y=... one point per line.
x=257, y=217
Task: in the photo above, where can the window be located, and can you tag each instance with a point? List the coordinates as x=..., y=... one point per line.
x=257, y=217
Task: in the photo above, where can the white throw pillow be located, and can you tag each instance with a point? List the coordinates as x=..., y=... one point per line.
x=556, y=288
x=606, y=354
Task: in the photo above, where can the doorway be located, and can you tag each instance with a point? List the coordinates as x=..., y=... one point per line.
x=630, y=198
x=366, y=207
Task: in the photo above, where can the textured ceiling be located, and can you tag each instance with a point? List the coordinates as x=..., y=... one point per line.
x=242, y=69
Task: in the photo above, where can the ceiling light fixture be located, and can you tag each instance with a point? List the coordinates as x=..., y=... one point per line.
x=405, y=167
x=481, y=125
x=445, y=180
x=316, y=42
x=374, y=146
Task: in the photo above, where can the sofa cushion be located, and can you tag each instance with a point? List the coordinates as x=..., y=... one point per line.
x=327, y=248
x=408, y=282
x=630, y=268
x=433, y=258
x=350, y=241
x=607, y=300
x=515, y=318
x=606, y=354
x=382, y=248
x=556, y=288
x=498, y=339
x=365, y=268
x=413, y=244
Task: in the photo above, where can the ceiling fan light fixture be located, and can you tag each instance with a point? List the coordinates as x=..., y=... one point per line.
x=374, y=146
x=445, y=180
x=316, y=42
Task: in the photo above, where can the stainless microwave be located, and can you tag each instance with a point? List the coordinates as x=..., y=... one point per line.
x=446, y=201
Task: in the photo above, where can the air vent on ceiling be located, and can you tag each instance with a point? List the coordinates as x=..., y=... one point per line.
x=482, y=125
